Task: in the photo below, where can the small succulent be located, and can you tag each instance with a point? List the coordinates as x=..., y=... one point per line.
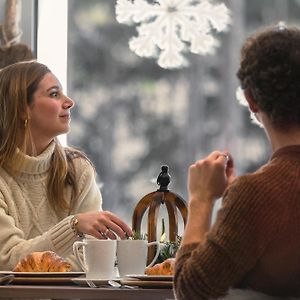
x=168, y=248
x=137, y=235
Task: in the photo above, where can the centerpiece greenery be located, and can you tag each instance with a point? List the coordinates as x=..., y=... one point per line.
x=168, y=249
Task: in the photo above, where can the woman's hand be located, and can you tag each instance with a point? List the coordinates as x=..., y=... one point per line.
x=208, y=178
x=102, y=225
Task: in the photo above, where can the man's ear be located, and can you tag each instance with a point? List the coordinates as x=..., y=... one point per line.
x=251, y=102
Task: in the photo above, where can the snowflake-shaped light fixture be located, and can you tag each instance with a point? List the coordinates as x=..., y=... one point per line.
x=167, y=28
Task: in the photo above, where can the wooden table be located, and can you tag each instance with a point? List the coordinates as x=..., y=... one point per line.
x=76, y=292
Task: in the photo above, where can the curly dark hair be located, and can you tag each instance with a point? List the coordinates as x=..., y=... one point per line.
x=270, y=69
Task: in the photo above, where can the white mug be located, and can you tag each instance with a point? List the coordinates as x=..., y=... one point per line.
x=132, y=256
x=99, y=257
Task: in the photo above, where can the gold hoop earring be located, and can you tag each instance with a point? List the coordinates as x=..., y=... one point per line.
x=25, y=123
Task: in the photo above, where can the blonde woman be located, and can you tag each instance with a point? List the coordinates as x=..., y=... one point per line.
x=48, y=194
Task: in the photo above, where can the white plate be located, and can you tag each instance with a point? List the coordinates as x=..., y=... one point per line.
x=151, y=277
x=42, y=274
x=98, y=282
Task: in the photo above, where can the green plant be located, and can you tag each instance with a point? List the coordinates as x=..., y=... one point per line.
x=137, y=235
x=168, y=249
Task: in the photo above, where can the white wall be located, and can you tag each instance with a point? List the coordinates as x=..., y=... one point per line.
x=54, y=55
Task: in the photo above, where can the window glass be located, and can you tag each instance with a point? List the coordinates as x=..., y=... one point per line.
x=132, y=116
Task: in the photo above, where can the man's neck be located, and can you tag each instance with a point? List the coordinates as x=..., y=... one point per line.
x=280, y=139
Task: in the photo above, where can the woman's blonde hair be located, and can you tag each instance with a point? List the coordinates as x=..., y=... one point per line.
x=18, y=83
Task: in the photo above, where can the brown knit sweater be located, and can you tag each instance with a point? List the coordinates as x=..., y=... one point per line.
x=255, y=241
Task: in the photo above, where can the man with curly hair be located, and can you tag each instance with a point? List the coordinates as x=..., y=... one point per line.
x=254, y=244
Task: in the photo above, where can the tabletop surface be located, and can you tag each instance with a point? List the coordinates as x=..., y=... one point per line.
x=76, y=292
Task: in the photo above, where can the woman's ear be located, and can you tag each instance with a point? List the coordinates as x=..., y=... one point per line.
x=25, y=115
x=251, y=102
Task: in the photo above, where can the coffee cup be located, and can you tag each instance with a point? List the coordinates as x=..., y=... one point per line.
x=132, y=256
x=99, y=257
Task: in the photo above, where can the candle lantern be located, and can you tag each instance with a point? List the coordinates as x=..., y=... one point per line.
x=152, y=202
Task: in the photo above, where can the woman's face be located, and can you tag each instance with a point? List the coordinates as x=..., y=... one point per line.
x=49, y=114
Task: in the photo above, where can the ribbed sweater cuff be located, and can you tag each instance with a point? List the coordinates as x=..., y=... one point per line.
x=186, y=249
x=63, y=237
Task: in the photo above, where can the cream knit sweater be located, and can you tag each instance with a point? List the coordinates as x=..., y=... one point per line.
x=27, y=221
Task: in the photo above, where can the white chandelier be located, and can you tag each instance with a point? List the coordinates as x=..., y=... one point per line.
x=168, y=28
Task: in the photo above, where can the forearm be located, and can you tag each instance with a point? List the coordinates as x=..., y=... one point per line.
x=199, y=221
x=207, y=181
x=58, y=239
x=187, y=265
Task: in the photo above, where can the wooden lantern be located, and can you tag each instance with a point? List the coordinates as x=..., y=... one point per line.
x=153, y=201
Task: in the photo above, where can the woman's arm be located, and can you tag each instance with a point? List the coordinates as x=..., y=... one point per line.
x=16, y=243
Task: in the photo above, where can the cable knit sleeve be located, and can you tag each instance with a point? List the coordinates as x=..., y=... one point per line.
x=89, y=199
x=13, y=241
x=233, y=245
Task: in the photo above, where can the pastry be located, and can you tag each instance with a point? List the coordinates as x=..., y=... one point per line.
x=164, y=268
x=47, y=261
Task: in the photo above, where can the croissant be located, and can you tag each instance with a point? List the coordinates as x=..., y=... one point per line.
x=164, y=268
x=47, y=261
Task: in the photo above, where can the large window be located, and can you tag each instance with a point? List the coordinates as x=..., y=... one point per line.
x=131, y=116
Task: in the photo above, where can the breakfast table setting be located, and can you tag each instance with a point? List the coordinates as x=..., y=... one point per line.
x=140, y=267
x=112, y=269
x=100, y=278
